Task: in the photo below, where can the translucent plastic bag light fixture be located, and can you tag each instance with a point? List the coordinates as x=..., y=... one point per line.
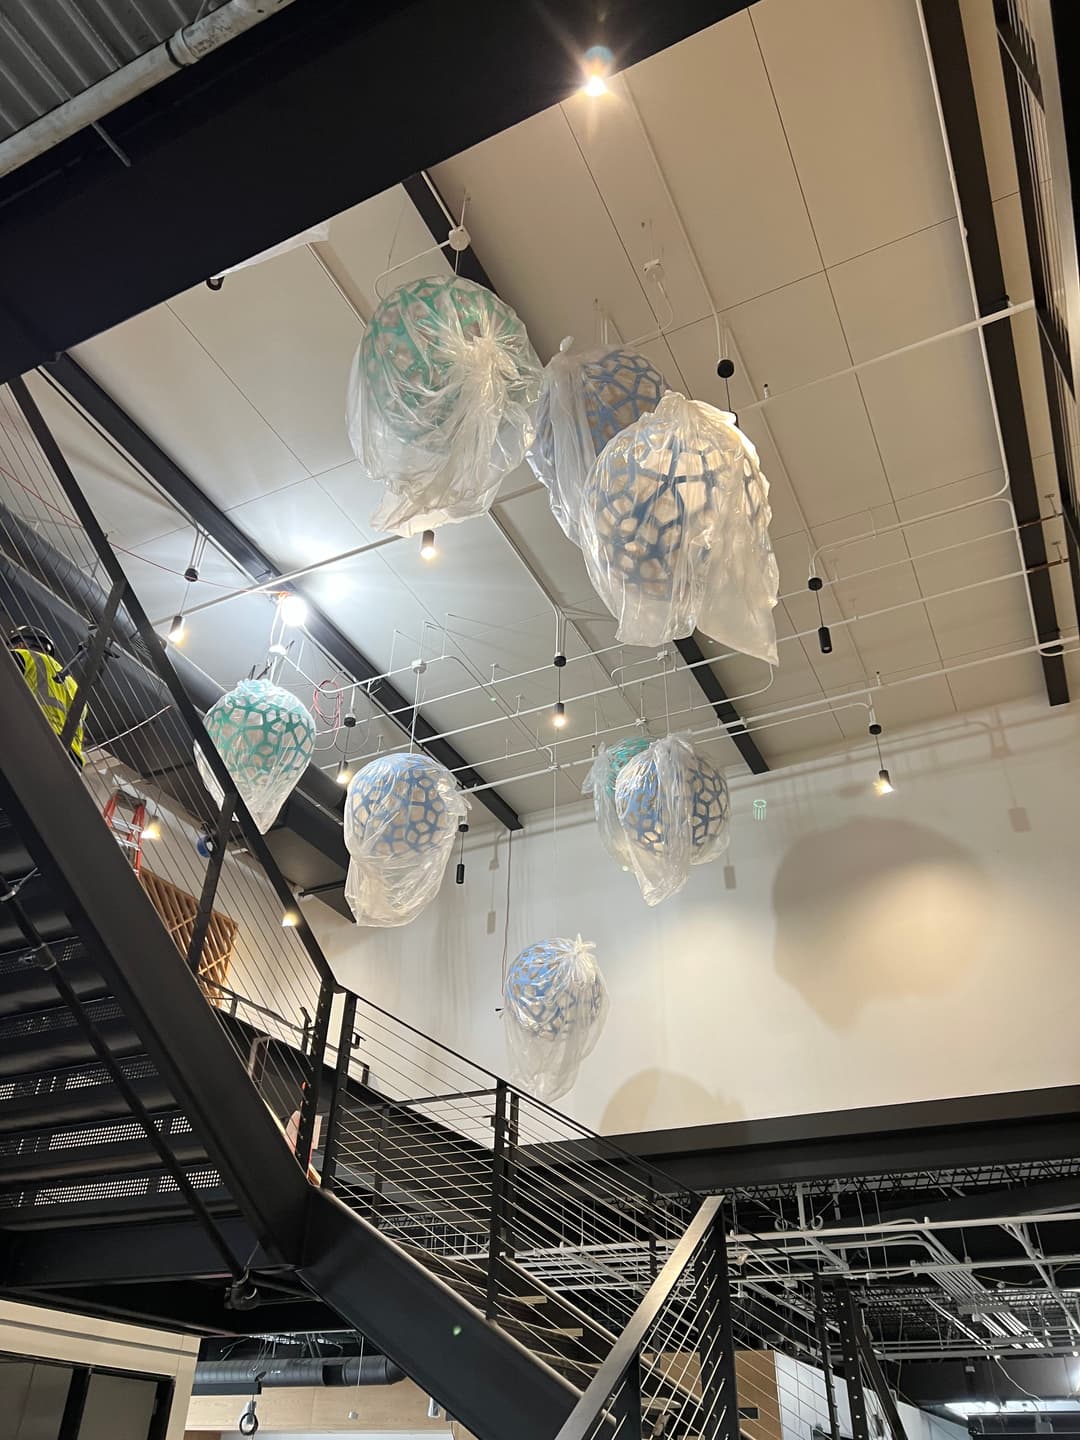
x=674, y=810
x=401, y=818
x=441, y=401
x=675, y=531
x=600, y=783
x=266, y=737
x=554, y=1006
x=588, y=397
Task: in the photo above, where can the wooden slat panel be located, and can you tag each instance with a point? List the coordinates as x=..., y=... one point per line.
x=178, y=910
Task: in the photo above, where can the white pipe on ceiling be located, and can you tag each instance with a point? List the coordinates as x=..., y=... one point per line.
x=190, y=44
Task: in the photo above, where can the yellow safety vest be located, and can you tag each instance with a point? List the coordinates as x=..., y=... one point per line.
x=55, y=694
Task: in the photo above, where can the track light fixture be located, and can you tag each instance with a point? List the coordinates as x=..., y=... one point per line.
x=177, y=630
x=558, y=718
x=883, y=783
x=459, y=874
x=428, y=548
x=824, y=635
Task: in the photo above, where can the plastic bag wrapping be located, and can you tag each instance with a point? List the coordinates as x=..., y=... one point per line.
x=588, y=397
x=440, y=401
x=554, y=1006
x=600, y=783
x=675, y=531
x=674, y=810
x=401, y=818
x=266, y=737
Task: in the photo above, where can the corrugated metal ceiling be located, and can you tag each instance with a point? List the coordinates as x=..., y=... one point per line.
x=52, y=50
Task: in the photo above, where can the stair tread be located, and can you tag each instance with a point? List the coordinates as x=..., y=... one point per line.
x=82, y=1103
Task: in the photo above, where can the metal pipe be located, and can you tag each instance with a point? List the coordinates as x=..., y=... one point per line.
x=270, y=1373
x=190, y=44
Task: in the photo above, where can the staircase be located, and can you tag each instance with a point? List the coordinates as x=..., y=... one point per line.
x=267, y=1151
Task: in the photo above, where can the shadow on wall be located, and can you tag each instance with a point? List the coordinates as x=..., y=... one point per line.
x=660, y=1097
x=873, y=909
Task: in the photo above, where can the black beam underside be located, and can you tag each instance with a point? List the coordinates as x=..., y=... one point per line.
x=260, y=140
x=952, y=70
x=431, y=207
x=1024, y=1125
x=180, y=488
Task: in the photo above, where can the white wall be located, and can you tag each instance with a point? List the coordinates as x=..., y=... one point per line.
x=78, y=1340
x=804, y=1407
x=856, y=950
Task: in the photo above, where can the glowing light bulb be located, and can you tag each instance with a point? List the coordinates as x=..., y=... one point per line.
x=151, y=830
x=290, y=920
x=177, y=629
x=344, y=775
x=428, y=548
x=597, y=66
x=883, y=785
x=294, y=610
x=559, y=717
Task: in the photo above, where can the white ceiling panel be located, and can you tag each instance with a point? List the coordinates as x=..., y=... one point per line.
x=995, y=681
x=367, y=240
x=612, y=145
x=299, y=524
x=903, y=292
x=193, y=409
x=545, y=236
x=829, y=450
x=932, y=415
x=738, y=194
x=853, y=88
x=285, y=336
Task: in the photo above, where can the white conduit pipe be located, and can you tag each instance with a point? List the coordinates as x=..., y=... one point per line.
x=708, y=660
x=190, y=44
x=769, y=719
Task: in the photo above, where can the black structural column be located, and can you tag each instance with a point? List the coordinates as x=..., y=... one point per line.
x=952, y=72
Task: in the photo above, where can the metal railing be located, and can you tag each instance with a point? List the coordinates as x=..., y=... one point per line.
x=208, y=870
x=672, y=1370
x=551, y=1231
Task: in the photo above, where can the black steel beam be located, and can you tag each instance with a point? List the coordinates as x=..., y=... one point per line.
x=180, y=488
x=153, y=1251
x=726, y=713
x=197, y=1309
x=258, y=141
x=469, y=1366
x=952, y=71
x=876, y=1139
x=431, y=207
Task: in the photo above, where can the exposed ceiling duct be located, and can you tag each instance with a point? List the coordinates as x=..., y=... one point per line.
x=228, y=1377
x=187, y=46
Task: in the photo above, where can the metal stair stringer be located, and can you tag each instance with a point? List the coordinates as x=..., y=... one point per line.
x=483, y=1377
x=91, y=880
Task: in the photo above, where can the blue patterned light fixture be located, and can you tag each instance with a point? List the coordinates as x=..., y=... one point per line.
x=554, y=1003
x=620, y=755
x=588, y=397
x=675, y=530
x=401, y=817
x=673, y=810
x=440, y=401
x=266, y=737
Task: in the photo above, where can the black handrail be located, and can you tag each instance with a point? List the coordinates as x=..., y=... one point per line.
x=587, y=1411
